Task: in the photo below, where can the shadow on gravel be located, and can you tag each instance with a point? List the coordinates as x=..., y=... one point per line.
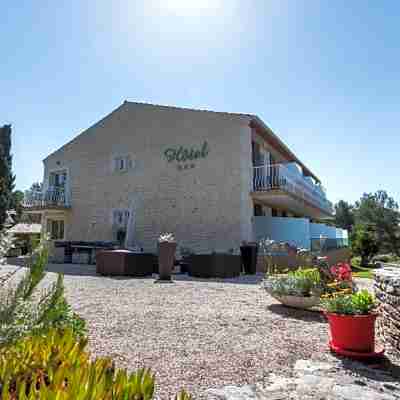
x=380, y=370
x=295, y=313
x=240, y=280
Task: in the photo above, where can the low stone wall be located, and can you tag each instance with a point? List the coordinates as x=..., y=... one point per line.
x=387, y=291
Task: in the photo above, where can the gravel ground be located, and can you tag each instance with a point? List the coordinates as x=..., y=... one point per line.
x=194, y=334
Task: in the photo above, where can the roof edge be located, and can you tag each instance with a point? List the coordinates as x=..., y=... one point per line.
x=85, y=131
x=258, y=122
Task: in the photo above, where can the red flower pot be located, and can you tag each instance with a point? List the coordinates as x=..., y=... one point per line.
x=353, y=332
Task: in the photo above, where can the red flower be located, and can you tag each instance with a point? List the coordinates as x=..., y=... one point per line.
x=341, y=272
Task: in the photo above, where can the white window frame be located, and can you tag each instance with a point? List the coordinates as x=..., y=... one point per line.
x=120, y=217
x=51, y=220
x=122, y=163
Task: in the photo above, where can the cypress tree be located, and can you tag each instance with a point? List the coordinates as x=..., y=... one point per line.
x=6, y=177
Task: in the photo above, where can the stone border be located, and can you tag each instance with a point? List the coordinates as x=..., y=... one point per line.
x=387, y=291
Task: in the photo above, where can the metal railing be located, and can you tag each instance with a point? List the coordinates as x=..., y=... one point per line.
x=324, y=244
x=53, y=197
x=278, y=176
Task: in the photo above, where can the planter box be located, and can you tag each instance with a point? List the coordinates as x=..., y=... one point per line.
x=124, y=262
x=215, y=265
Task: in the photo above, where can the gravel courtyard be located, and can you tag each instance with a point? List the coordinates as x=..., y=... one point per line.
x=193, y=334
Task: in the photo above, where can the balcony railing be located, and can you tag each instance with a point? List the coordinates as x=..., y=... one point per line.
x=51, y=198
x=278, y=176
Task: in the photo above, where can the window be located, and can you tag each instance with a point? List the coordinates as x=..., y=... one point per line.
x=58, y=179
x=274, y=212
x=120, y=218
x=258, y=210
x=55, y=228
x=122, y=164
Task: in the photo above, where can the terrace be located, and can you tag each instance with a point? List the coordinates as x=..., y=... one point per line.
x=54, y=198
x=279, y=184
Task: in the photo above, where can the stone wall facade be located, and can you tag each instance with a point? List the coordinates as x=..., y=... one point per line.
x=387, y=291
x=205, y=201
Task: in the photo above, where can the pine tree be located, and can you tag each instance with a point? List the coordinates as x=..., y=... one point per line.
x=6, y=177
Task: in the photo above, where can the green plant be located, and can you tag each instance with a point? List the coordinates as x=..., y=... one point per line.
x=57, y=366
x=310, y=274
x=360, y=303
x=301, y=282
x=23, y=312
x=364, y=243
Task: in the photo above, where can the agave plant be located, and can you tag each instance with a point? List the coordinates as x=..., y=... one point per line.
x=166, y=237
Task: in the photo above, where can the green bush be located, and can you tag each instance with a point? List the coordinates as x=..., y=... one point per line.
x=24, y=312
x=364, y=243
x=57, y=366
x=386, y=258
x=360, y=303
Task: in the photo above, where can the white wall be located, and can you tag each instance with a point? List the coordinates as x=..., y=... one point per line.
x=316, y=230
x=293, y=230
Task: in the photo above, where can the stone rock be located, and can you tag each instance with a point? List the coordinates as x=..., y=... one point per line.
x=316, y=381
x=247, y=392
x=310, y=367
x=387, y=291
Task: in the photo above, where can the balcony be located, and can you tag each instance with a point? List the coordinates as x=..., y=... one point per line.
x=52, y=199
x=282, y=187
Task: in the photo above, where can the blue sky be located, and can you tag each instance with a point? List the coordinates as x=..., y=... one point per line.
x=323, y=74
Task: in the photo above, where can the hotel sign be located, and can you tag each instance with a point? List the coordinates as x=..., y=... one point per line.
x=185, y=156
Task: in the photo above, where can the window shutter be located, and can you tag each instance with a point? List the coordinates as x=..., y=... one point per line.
x=126, y=219
x=61, y=230
x=115, y=217
x=48, y=226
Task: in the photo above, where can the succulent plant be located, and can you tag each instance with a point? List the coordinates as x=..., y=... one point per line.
x=166, y=237
x=56, y=365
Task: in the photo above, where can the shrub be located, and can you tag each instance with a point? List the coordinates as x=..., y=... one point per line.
x=57, y=366
x=364, y=243
x=360, y=303
x=24, y=312
x=386, y=258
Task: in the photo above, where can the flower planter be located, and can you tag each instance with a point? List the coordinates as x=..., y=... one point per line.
x=354, y=333
x=166, y=258
x=300, y=302
x=216, y=265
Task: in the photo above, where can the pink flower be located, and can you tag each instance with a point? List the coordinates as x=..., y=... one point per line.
x=341, y=272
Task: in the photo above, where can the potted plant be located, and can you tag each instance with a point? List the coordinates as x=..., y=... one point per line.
x=351, y=320
x=166, y=256
x=299, y=289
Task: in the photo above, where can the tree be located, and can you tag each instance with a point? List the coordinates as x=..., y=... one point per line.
x=6, y=177
x=381, y=213
x=344, y=215
x=364, y=243
x=16, y=203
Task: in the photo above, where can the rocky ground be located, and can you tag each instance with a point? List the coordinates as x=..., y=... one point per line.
x=200, y=334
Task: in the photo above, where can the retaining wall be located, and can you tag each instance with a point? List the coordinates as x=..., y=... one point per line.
x=387, y=291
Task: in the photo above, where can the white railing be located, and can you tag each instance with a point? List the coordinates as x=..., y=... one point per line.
x=278, y=176
x=53, y=197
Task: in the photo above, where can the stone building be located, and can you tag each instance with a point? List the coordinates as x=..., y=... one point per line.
x=214, y=179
